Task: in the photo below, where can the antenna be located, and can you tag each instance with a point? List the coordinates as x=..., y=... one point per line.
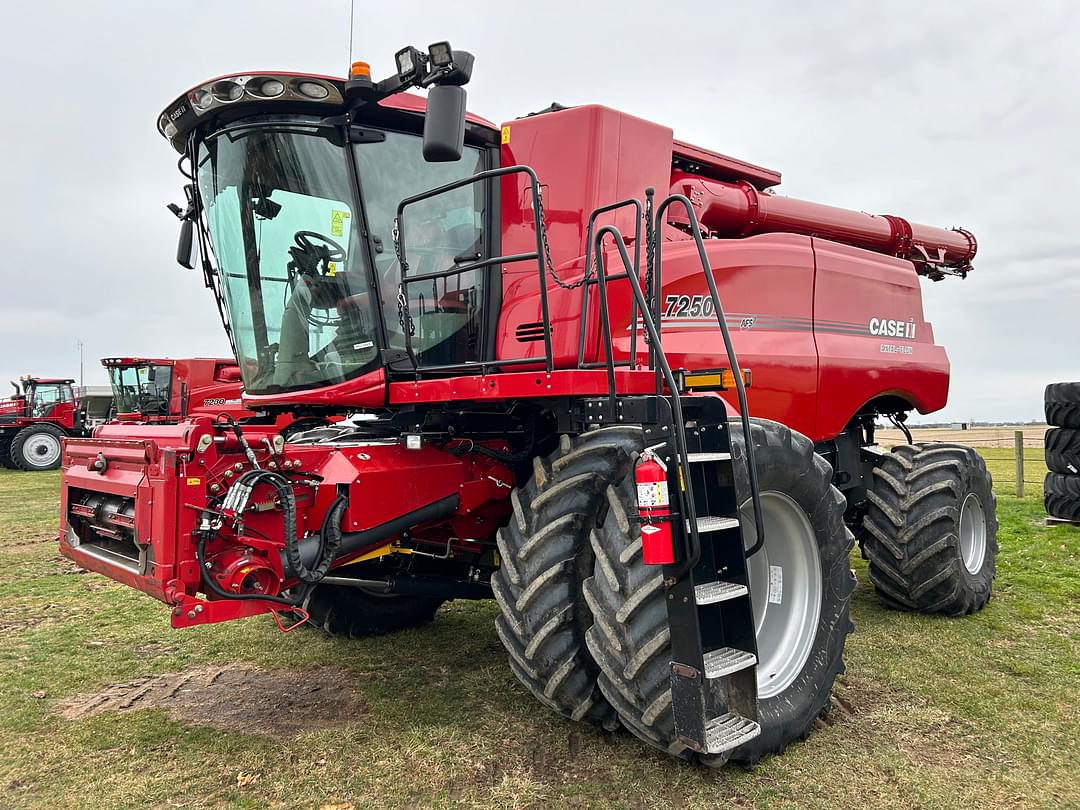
x=352, y=13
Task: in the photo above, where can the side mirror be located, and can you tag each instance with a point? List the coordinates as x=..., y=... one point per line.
x=151, y=372
x=444, y=124
x=185, y=246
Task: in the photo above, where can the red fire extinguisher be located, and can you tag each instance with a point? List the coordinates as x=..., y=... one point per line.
x=654, y=509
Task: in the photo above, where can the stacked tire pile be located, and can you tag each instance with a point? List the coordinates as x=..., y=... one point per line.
x=1061, y=490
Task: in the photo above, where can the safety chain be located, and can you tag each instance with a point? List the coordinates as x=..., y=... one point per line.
x=547, y=248
x=405, y=320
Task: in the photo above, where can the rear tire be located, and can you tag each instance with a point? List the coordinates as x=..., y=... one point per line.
x=1063, y=451
x=931, y=529
x=37, y=447
x=1063, y=404
x=1061, y=496
x=341, y=610
x=546, y=557
x=630, y=636
x=6, y=461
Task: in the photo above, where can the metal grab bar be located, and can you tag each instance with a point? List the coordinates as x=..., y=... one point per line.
x=538, y=255
x=740, y=388
x=684, y=493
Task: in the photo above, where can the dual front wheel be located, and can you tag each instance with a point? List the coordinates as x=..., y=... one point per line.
x=936, y=554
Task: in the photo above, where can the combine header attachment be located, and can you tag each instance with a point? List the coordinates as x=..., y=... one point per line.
x=666, y=542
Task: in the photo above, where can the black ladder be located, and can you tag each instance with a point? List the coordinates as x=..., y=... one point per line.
x=709, y=605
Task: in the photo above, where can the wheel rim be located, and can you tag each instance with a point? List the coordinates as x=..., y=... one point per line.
x=972, y=533
x=785, y=588
x=41, y=449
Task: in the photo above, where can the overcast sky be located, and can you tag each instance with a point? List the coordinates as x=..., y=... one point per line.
x=944, y=113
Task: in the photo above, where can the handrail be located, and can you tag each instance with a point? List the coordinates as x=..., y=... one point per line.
x=685, y=493
x=538, y=255
x=740, y=388
x=587, y=282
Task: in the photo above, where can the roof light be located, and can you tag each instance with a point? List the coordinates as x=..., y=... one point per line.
x=409, y=63
x=315, y=90
x=201, y=99
x=227, y=90
x=360, y=69
x=167, y=127
x=264, y=87
x=440, y=54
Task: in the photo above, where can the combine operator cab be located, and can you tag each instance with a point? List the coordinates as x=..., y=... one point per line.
x=540, y=402
x=167, y=390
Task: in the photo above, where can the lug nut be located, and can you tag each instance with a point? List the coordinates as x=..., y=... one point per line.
x=238, y=466
x=215, y=488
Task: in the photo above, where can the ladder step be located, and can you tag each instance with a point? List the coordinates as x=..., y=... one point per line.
x=727, y=660
x=716, y=524
x=711, y=592
x=701, y=458
x=729, y=731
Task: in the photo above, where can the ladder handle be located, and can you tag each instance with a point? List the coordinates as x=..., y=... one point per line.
x=740, y=388
x=686, y=496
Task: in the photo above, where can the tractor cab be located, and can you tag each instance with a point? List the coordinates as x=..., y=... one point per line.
x=142, y=387
x=296, y=193
x=43, y=398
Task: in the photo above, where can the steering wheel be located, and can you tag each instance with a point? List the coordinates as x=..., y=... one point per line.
x=313, y=249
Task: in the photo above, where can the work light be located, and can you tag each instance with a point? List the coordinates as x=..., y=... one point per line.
x=410, y=62
x=440, y=54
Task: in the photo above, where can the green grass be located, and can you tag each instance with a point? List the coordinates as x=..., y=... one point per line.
x=981, y=711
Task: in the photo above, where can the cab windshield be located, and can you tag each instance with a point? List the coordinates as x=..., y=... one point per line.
x=284, y=227
x=288, y=237
x=144, y=389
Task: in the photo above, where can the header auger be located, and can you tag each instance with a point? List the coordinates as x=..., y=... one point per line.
x=547, y=369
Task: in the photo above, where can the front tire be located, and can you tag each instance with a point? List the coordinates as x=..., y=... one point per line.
x=545, y=558
x=630, y=637
x=341, y=610
x=931, y=529
x=37, y=447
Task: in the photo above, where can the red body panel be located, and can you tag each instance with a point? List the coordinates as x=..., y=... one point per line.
x=802, y=310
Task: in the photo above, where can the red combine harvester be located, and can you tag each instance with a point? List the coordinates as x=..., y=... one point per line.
x=43, y=411
x=166, y=389
x=549, y=349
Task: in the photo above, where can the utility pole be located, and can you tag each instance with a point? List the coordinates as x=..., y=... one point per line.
x=79, y=343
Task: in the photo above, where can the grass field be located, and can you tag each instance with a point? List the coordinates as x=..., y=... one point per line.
x=97, y=709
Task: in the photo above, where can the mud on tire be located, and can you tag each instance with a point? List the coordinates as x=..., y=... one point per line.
x=545, y=557
x=630, y=638
x=341, y=610
x=931, y=529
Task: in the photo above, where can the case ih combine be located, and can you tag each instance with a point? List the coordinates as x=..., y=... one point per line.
x=550, y=351
x=166, y=389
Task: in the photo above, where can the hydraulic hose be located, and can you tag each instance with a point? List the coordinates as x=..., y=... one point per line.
x=330, y=535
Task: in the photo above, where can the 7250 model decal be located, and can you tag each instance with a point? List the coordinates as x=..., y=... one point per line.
x=685, y=306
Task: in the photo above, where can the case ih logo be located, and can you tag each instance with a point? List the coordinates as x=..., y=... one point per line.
x=888, y=328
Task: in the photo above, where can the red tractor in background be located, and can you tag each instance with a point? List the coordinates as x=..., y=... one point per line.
x=42, y=411
x=643, y=424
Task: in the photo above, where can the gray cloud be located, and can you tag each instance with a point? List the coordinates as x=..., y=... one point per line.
x=961, y=113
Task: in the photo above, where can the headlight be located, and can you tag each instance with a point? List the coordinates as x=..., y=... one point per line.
x=263, y=87
x=201, y=99
x=226, y=90
x=313, y=90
